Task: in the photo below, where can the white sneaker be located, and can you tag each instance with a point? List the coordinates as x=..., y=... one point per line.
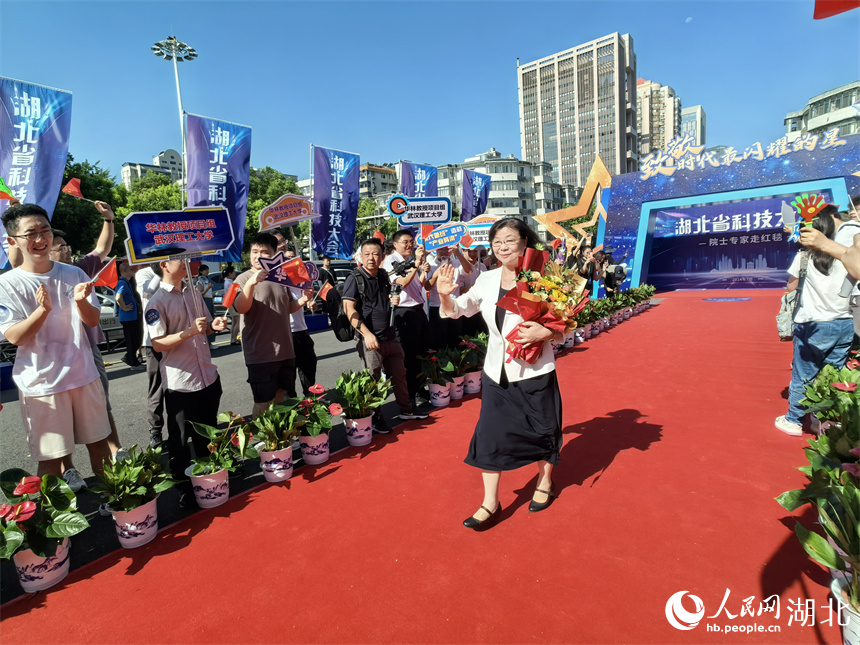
x=104, y=511
x=120, y=455
x=786, y=426
x=73, y=478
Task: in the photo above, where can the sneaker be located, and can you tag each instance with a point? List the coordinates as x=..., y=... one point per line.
x=421, y=402
x=381, y=428
x=155, y=439
x=120, y=455
x=411, y=415
x=786, y=426
x=104, y=511
x=73, y=478
x=134, y=367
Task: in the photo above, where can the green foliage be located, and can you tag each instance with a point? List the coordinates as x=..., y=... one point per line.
x=56, y=515
x=225, y=446
x=265, y=187
x=278, y=427
x=360, y=393
x=134, y=481
x=830, y=403
x=365, y=228
x=568, y=224
x=79, y=219
x=475, y=349
x=437, y=367
x=316, y=413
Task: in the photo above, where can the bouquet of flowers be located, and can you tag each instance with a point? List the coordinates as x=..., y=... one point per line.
x=546, y=293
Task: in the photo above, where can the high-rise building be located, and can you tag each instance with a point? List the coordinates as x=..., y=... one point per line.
x=578, y=103
x=836, y=108
x=167, y=162
x=693, y=121
x=658, y=115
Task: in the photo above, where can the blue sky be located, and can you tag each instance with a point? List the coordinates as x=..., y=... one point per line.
x=432, y=82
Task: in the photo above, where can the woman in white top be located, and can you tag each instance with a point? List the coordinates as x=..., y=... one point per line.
x=520, y=420
x=823, y=328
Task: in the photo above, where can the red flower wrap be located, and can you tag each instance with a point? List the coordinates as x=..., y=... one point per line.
x=520, y=301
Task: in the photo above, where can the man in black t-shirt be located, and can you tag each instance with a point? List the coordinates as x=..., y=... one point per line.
x=326, y=274
x=370, y=315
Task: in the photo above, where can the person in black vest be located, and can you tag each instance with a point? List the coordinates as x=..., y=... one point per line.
x=369, y=311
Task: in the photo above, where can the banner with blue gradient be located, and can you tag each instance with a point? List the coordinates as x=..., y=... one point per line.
x=476, y=193
x=35, y=122
x=335, y=186
x=219, y=171
x=417, y=180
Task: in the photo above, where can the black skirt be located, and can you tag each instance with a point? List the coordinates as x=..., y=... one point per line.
x=520, y=423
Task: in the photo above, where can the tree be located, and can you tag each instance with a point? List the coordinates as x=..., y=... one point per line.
x=364, y=228
x=152, y=192
x=265, y=187
x=79, y=219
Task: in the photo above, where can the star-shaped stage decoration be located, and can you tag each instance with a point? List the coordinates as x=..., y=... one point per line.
x=599, y=180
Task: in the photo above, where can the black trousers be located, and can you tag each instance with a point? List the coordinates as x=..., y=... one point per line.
x=133, y=338
x=155, y=397
x=444, y=332
x=182, y=408
x=306, y=361
x=413, y=332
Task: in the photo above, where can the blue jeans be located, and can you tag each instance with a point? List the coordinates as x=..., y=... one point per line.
x=816, y=344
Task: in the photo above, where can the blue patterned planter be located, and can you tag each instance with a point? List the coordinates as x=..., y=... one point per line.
x=359, y=432
x=210, y=490
x=138, y=526
x=36, y=573
x=315, y=449
x=277, y=465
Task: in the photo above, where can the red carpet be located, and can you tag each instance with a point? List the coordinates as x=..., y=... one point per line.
x=667, y=479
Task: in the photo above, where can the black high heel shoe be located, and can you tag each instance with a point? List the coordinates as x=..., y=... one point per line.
x=483, y=525
x=534, y=507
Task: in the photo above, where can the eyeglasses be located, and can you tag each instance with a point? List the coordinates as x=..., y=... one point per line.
x=511, y=241
x=45, y=234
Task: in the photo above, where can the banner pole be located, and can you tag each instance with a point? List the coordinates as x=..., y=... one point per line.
x=295, y=243
x=313, y=254
x=191, y=286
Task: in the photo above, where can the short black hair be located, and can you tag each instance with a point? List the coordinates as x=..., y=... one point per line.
x=265, y=239
x=401, y=233
x=15, y=214
x=374, y=241
x=156, y=269
x=203, y=266
x=58, y=233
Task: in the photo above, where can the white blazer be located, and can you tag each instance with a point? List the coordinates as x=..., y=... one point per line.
x=482, y=298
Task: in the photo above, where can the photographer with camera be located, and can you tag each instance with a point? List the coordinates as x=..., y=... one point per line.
x=370, y=313
x=613, y=274
x=408, y=263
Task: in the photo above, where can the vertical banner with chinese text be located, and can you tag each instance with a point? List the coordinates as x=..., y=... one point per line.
x=417, y=180
x=476, y=193
x=219, y=170
x=34, y=141
x=335, y=186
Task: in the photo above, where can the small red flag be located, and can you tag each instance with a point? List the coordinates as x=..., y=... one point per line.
x=229, y=297
x=296, y=271
x=73, y=188
x=466, y=241
x=108, y=276
x=379, y=235
x=827, y=8
x=556, y=243
x=323, y=293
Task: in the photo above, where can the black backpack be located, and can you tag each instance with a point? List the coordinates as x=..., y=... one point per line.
x=343, y=331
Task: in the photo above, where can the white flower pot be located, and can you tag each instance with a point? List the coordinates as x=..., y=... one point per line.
x=851, y=631
x=578, y=338
x=277, y=465
x=440, y=395
x=570, y=339
x=472, y=382
x=455, y=388
x=613, y=320
x=210, y=490
x=627, y=313
x=359, y=432
x=315, y=449
x=586, y=331
x=138, y=526
x=36, y=573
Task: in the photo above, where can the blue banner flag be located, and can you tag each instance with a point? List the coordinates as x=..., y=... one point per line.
x=34, y=127
x=219, y=171
x=161, y=235
x=335, y=185
x=417, y=180
x=476, y=193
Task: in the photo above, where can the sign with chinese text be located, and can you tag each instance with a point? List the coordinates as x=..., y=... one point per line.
x=476, y=193
x=35, y=122
x=335, y=186
x=444, y=236
x=290, y=273
x=423, y=210
x=219, y=170
x=171, y=235
x=479, y=230
x=417, y=180
x=286, y=211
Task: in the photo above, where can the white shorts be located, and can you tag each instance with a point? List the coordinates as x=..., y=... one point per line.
x=56, y=422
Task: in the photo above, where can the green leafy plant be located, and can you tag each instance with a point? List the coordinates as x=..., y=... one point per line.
x=278, y=427
x=316, y=412
x=38, y=525
x=135, y=480
x=360, y=393
x=225, y=446
x=436, y=368
x=834, y=396
x=475, y=351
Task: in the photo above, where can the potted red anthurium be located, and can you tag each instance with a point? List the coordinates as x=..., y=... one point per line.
x=209, y=473
x=37, y=522
x=314, y=433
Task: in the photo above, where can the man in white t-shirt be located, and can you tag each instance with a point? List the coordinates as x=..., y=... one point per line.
x=148, y=282
x=44, y=306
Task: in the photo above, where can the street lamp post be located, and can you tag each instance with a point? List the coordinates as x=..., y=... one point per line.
x=177, y=51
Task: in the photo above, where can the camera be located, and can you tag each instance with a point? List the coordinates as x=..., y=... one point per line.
x=400, y=268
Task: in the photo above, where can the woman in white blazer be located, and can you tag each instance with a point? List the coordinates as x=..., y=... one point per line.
x=520, y=421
